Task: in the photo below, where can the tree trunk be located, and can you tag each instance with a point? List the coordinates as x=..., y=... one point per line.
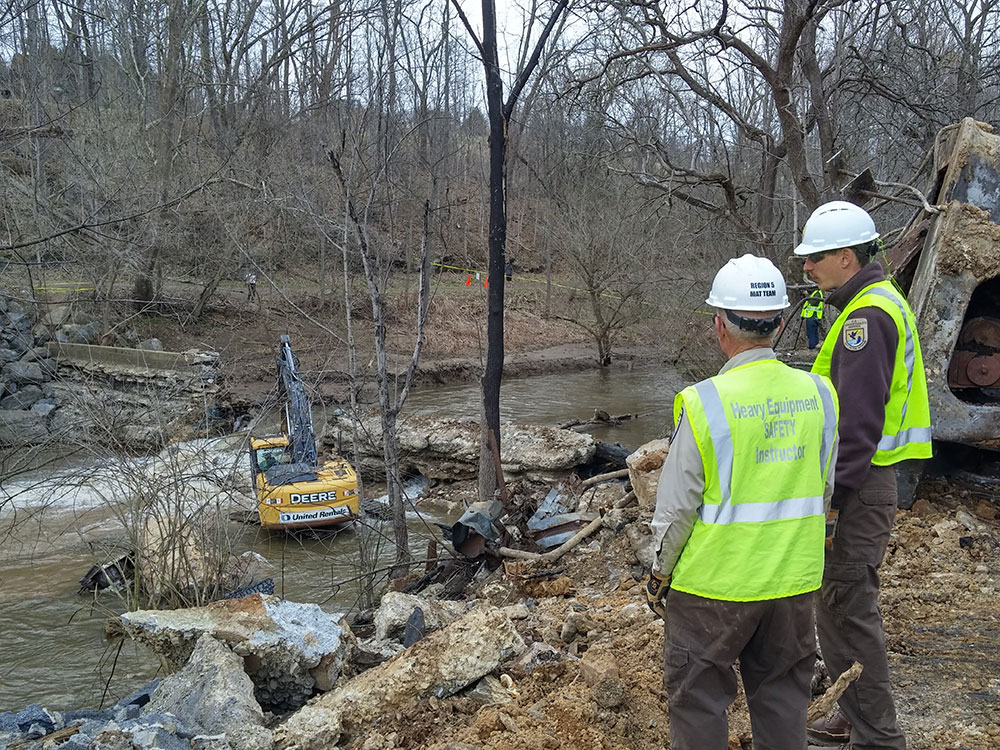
x=497, y=242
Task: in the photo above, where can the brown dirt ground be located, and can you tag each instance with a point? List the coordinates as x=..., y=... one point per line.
x=939, y=600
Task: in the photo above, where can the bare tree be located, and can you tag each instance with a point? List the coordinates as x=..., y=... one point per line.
x=500, y=109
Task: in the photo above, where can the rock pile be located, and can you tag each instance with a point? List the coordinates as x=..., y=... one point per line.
x=449, y=449
x=27, y=399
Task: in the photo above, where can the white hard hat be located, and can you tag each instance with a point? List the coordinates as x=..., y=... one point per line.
x=748, y=283
x=835, y=225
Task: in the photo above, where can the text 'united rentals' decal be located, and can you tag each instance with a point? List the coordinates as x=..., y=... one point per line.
x=778, y=418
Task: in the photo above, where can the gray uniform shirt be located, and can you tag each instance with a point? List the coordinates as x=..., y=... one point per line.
x=682, y=482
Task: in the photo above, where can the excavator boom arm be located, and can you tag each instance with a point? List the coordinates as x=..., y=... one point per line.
x=298, y=412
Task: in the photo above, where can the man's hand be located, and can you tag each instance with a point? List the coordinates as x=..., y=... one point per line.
x=656, y=594
x=832, y=517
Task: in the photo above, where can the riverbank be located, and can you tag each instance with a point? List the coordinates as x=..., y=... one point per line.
x=537, y=337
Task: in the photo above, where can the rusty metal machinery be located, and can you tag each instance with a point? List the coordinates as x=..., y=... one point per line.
x=976, y=360
x=950, y=260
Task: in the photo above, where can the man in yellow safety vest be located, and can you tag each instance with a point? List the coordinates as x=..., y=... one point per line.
x=812, y=311
x=739, y=525
x=872, y=355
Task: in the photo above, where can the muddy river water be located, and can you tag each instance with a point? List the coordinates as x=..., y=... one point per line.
x=57, y=520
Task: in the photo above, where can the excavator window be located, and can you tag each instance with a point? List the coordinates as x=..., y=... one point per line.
x=268, y=457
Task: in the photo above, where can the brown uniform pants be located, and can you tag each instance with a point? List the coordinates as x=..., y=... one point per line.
x=847, y=613
x=774, y=642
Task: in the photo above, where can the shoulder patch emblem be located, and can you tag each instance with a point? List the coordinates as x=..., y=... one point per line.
x=855, y=334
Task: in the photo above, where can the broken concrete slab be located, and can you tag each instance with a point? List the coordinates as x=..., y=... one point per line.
x=285, y=645
x=439, y=665
x=215, y=696
x=449, y=448
x=644, y=467
x=19, y=428
x=396, y=607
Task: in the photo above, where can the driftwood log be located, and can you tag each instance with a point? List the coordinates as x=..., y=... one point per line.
x=620, y=473
x=586, y=531
x=600, y=417
x=822, y=705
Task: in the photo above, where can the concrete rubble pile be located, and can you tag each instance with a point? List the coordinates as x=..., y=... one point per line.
x=235, y=659
x=449, y=448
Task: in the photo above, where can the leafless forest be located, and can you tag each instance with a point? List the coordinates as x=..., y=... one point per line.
x=144, y=139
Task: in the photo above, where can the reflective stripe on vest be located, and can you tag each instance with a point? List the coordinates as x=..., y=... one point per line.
x=912, y=436
x=722, y=442
x=765, y=433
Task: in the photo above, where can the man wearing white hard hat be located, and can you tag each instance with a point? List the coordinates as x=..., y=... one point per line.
x=872, y=355
x=739, y=526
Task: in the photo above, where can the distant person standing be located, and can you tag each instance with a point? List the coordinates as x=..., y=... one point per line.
x=252, y=286
x=812, y=311
x=508, y=271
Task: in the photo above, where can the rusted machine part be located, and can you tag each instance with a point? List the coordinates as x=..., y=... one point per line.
x=976, y=361
x=471, y=532
x=982, y=332
x=959, y=258
x=903, y=255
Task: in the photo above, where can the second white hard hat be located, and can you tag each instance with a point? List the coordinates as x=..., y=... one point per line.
x=748, y=283
x=834, y=225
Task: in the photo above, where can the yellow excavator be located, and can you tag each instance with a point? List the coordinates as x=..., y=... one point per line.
x=293, y=490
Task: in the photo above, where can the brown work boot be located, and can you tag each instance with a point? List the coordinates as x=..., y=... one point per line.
x=834, y=729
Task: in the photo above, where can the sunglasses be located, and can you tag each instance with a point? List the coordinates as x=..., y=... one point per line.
x=817, y=257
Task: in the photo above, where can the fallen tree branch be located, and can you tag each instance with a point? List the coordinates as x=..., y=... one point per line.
x=520, y=554
x=822, y=705
x=586, y=531
x=604, y=478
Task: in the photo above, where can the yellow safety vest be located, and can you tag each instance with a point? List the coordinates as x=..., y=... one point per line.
x=765, y=433
x=907, y=430
x=813, y=307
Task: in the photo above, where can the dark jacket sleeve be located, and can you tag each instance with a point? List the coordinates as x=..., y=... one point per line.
x=863, y=379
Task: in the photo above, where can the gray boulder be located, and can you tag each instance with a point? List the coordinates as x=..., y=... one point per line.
x=152, y=345
x=8, y=355
x=289, y=649
x=19, y=341
x=75, y=333
x=18, y=321
x=36, y=354
x=19, y=428
x=22, y=398
x=215, y=696
x=43, y=408
x=22, y=372
x=41, y=333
